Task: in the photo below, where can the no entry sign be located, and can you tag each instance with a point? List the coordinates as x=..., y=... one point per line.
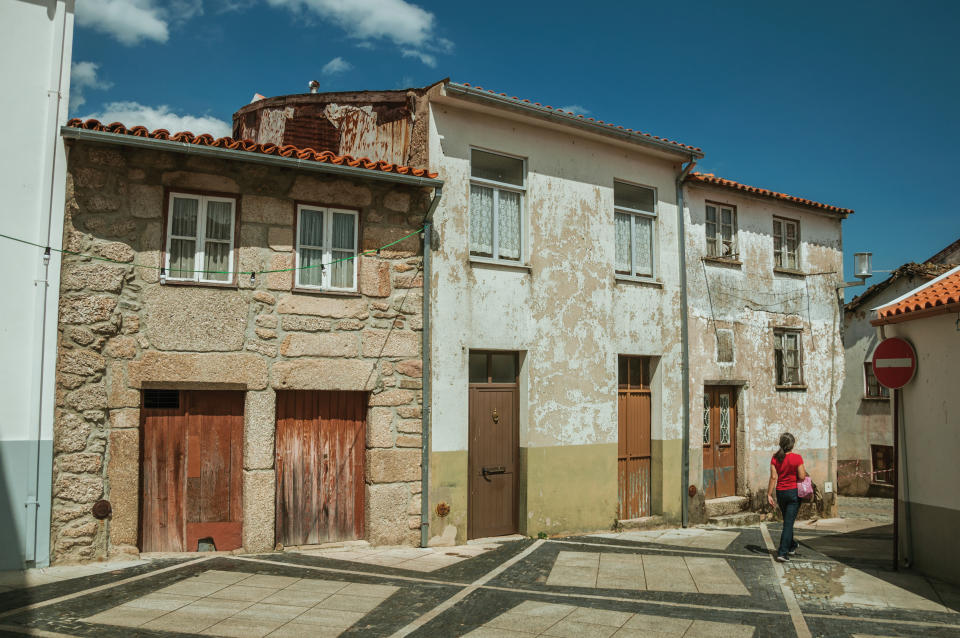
x=894, y=362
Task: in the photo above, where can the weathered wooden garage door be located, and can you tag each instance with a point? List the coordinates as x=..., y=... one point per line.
x=633, y=441
x=719, y=441
x=192, y=462
x=493, y=447
x=321, y=441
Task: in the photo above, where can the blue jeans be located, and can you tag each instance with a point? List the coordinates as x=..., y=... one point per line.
x=789, y=504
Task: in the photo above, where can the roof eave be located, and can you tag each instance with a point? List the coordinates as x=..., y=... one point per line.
x=470, y=93
x=842, y=213
x=104, y=137
x=945, y=309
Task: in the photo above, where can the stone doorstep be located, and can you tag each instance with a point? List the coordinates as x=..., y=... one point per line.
x=644, y=523
x=725, y=506
x=741, y=519
x=496, y=539
x=357, y=544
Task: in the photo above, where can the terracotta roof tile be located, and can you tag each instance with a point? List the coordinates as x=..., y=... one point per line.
x=250, y=146
x=942, y=291
x=925, y=271
x=572, y=116
x=710, y=178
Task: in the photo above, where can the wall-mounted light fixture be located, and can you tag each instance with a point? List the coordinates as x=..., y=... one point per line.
x=863, y=270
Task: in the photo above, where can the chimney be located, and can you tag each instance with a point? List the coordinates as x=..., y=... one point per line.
x=314, y=86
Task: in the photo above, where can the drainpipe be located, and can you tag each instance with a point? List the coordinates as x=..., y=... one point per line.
x=685, y=348
x=425, y=391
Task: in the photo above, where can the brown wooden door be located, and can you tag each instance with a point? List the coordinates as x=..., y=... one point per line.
x=493, y=446
x=719, y=441
x=321, y=440
x=192, y=463
x=633, y=440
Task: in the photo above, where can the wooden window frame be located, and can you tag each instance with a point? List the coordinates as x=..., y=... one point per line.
x=234, y=259
x=327, y=248
x=645, y=373
x=780, y=374
x=778, y=254
x=882, y=394
x=653, y=216
x=875, y=474
x=497, y=187
x=714, y=242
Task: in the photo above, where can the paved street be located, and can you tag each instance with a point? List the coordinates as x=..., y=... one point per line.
x=694, y=582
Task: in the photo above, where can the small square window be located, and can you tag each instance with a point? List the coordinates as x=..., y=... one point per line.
x=786, y=239
x=496, y=168
x=633, y=197
x=200, y=232
x=326, y=248
x=788, y=357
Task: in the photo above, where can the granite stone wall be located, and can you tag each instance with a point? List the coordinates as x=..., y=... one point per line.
x=121, y=330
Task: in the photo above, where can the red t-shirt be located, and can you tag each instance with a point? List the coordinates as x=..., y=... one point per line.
x=787, y=471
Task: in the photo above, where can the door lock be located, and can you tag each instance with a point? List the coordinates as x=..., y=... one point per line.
x=496, y=417
x=487, y=470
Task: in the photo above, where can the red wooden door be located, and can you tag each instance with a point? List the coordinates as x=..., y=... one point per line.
x=493, y=445
x=321, y=441
x=633, y=440
x=719, y=441
x=192, y=463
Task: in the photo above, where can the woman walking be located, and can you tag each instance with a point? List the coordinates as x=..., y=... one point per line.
x=786, y=468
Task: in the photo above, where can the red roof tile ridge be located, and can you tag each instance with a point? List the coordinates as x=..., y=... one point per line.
x=942, y=291
x=710, y=178
x=571, y=115
x=249, y=146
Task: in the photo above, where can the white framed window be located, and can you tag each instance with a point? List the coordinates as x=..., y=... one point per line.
x=788, y=356
x=200, y=232
x=326, y=248
x=635, y=221
x=497, y=186
x=786, y=240
x=721, y=230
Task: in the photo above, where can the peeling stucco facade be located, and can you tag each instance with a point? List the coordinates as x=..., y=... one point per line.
x=747, y=298
x=122, y=330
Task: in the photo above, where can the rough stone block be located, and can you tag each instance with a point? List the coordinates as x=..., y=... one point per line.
x=266, y=321
x=280, y=238
x=387, y=515
x=305, y=324
x=117, y=251
x=258, y=209
x=259, y=425
x=99, y=277
x=265, y=349
x=411, y=368
x=71, y=433
x=392, y=397
x=145, y=200
x=414, y=426
x=123, y=472
x=397, y=201
x=409, y=411
x=320, y=345
x=332, y=307
x=320, y=189
x=121, y=348
x=120, y=395
x=242, y=369
x=264, y=297
x=266, y=333
x=374, y=277
x=390, y=343
x=84, y=463
x=393, y=465
x=201, y=182
x=81, y=362
x=409, y=303
x=89, y=397
x=280, y=280
x=408, y=281
x=195, y=318
x=124, y=418
x=409, y=441
x=79, y=335
x=258, y=510
x=380, y=428
x=86, y=309
x=83, y=488
x=349, y=324
x=323, y=374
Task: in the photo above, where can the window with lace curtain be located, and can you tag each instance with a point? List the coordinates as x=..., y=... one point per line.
x=635, y=217
x=497, y=184
x=200, y=232
x=326, y=248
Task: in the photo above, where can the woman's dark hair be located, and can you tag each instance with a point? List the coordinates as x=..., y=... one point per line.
x=786, y=444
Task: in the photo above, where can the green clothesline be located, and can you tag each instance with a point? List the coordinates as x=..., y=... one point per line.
x=213, y=272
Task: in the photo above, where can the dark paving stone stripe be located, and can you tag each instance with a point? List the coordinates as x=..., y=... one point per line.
x=842, y=627
x=485, y=604
x=745, y=550
x=758, y=577
x=32, y=595
x=888, y=613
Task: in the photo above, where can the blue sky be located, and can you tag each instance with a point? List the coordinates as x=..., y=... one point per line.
x=849, y=103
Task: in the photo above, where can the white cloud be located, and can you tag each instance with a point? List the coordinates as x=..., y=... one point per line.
x=83, y=76
x=576, y=108
x=132, y=114
x=405, y=25
x=336, y=65
x=133, y=21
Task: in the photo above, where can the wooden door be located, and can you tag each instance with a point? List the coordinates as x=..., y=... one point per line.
x=719, y=441
x=192, y=464
x=321, y=441
x=493, y=448
x=633, y=440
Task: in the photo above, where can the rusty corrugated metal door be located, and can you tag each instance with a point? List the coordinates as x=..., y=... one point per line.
x=633, y=438
x=719, y=441
x=321, y=440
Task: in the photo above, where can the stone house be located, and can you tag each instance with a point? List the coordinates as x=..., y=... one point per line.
x=865, y=424
x=239, y=346
x=765, y=351
x=928, y=511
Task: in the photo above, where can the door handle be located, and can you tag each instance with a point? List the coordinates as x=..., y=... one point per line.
x=487, y=470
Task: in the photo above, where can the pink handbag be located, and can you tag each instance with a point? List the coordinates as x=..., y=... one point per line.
x=805, y=488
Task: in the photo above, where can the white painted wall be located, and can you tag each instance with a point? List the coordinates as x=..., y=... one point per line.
x=751, y=299
x=35, y=42
x=566, y=311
